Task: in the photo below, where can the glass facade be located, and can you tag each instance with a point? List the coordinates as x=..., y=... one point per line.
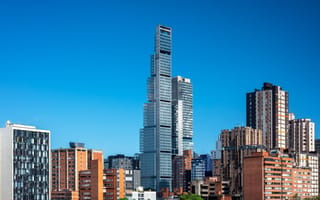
x=31, y=167
x=182, y=115
x=155, y=137
x=198, y=169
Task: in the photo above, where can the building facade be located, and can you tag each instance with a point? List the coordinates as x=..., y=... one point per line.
x=156, y=135
x=121, y=161
x=67, y=163
x=25, y=162
x=198, y=170
x=274, y=176
x=91, y=182
x=141, y=194
x=114, y=184
x=236, y=144
x=211, y=188
x=267, y=110
x=132, y=180
x=301, y=136
x=310, y=160
x=178, y=173
x=182, y=115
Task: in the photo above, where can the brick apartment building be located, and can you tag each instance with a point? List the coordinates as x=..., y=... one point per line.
x=67, y=165
x=274, y=176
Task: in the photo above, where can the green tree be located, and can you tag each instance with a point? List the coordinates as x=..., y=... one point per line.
x=190, y=197
x=125, y=198
x=313, y=198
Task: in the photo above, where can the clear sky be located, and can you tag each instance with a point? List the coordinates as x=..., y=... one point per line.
x=79, y=68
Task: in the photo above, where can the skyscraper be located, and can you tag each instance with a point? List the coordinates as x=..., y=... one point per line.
x=182, y=115
x=156, y=136
x=267, y=110
x=24, y=163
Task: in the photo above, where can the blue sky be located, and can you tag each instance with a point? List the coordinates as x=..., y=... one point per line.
x=79, y=68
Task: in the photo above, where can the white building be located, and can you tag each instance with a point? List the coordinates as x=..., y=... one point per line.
x=140, y=194
x=24, y=162
x=310, y=160
x=301, y=135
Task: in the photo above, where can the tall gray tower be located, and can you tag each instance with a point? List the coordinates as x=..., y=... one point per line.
x=156, y=135
x=182, y=115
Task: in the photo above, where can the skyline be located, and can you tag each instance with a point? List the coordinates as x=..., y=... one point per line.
x=96, y=70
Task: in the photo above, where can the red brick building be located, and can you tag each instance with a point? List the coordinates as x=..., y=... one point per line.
x=274, y=176
x=66, y=166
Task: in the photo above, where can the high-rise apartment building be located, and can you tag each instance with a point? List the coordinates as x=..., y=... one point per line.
x=114, y=184
x=67, y=163
x=25, y=162
x=301, y=142
x=91, y=181
x=236, y=144
x=267, y=110
x=301, y=136
x=156, y=135
x=182, y=115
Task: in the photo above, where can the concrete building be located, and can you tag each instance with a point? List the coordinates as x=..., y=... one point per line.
x=24, y=162
x=309, y=160
x=182, y=115
x=114, y=184
x=67, y=163
x=302, y=145
x=236, y=144
x=121, y=161
x=132, y=180
x=156, y=135
x=301, y=136
x=211, y=188
x=274, y=176
x=140, y=194
x=267, y=110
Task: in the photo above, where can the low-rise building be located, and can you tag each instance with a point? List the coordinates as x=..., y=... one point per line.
x=140, y=194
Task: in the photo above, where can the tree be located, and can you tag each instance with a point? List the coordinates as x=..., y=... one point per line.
x=190, y=197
